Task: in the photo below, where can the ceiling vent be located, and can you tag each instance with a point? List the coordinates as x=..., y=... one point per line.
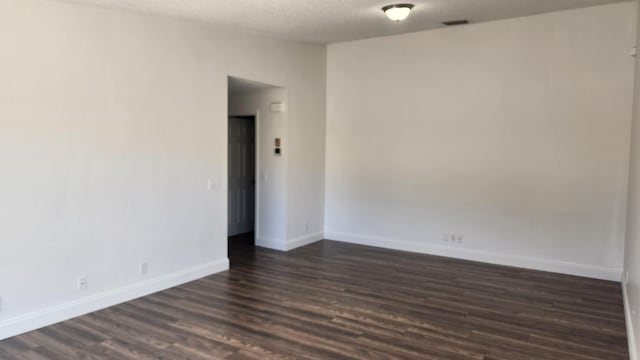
x=456, y=22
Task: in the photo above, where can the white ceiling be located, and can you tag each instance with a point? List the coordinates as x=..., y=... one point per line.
x=327, y=21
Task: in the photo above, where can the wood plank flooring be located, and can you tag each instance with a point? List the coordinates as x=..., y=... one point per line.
x=330, y=300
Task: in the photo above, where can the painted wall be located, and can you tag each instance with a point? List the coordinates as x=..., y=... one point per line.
x=271, y=177
x=513, y=134
x=112, y=124
x=306, y=162
x=632, y=247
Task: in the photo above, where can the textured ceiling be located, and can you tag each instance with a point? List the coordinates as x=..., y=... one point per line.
x=327, y=21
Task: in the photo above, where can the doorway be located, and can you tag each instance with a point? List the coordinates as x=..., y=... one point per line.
x=257, y=167
x=242, y=180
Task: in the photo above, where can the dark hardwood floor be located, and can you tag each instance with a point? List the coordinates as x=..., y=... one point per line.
x=331, y=300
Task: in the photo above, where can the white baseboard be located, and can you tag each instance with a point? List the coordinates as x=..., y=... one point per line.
x=282, y=245
x=274, y=244
x=304, y=240
x=591, y=271
x=65, y=311
x=633, y=349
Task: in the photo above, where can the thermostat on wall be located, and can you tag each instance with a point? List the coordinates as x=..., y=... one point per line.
x=277, y=150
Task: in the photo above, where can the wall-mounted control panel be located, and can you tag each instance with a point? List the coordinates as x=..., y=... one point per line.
x=277, y=107
x=277, y=147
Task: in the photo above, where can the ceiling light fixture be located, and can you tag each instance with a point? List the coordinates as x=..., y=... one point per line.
x=397, y=12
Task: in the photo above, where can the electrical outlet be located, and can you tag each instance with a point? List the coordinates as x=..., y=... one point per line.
x=83, y=283
x=453, y=238
x=306, y=227
x=144, y=269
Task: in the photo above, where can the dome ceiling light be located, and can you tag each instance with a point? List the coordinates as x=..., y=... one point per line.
x=397, y=12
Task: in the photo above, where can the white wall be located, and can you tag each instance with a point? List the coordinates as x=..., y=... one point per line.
x=306, y=168
x=111, y=124
x=512, y=133
x=632, y=246
x=271, y=175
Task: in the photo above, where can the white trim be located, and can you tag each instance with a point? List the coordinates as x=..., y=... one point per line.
x=563, y=267
x=256, y=176
x=282, y=245
x=65, y=311
x=631, y=338
x=304, y=240
x=273, y=244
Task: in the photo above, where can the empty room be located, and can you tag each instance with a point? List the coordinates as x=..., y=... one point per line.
x=319, y=179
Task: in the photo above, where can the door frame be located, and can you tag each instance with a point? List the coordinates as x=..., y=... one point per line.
x=256, y=172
